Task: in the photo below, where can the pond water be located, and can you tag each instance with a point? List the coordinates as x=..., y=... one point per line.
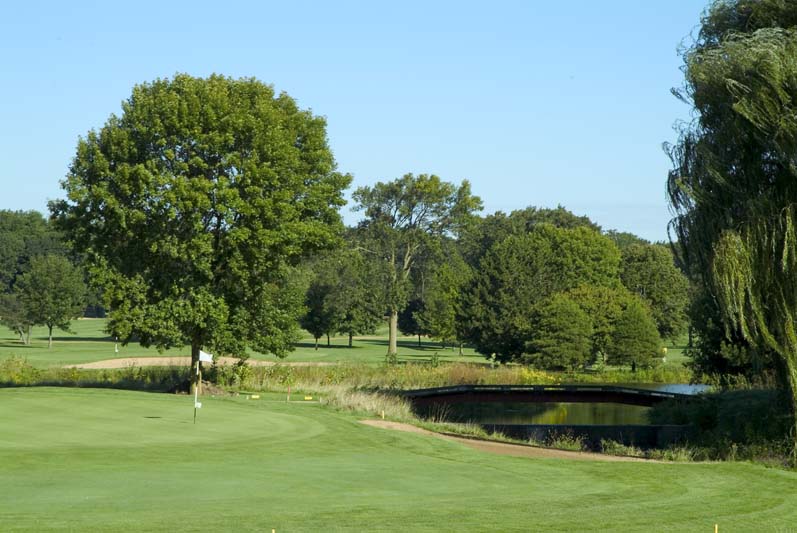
x=526, y=413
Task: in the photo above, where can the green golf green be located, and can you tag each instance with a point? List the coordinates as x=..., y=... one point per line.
x=115, y=460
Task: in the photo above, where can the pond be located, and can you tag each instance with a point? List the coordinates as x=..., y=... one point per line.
x=527, y=413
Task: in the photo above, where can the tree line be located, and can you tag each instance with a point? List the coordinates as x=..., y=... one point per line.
x=40, y=285
x=208, y=214
x=537, y=286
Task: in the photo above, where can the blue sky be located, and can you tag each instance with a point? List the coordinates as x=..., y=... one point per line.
x=536, y=103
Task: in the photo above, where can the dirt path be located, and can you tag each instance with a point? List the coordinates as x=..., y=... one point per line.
x=126, y=362
x=502, y=448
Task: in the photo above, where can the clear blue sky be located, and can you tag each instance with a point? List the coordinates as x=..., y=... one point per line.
x=536, y=103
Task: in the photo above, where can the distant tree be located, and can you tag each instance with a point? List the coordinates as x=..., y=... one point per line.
x=23, y=235
x=341, y=296
x=649, y=270
x=52, y=293
x=604, y=305
x=408, y=323
x=193, y=206
x=402, y=218
x=519, y=272
x=13, y=316
x=483, y=233
x=635, y=340
x=355, y=300
x=625, y=239
x=320, y=317
x=442, y=298
x=561, y=337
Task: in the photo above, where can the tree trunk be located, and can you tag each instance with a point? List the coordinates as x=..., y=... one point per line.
x=316, y=343
x=194, y=360
x=27, y=339
x=392, y=332
x=350, y=340
x=460, y=348
x=419, y=340
x=50, y=337
x=328, y=344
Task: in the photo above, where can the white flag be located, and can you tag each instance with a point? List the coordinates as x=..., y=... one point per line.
x=205, y=357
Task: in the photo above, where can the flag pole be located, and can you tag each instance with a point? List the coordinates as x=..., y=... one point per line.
x=196, y=391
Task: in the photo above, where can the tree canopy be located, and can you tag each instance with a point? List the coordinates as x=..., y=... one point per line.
x=734, y=182
x=404, y=217
x=192, y=206
x=522, y=270
x=51, y=293
x=649, y=270
x=561, y=335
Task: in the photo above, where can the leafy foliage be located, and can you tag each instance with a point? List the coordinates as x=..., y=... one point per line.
x=734, y=182
x=650, y=271
x=604, y=306
x=403, y=218
x=52, y=292
x=482, y=234
x=562, y=334
x=442, y=298
x=523, y=270
x=635, y=339
x=341, y=296
x=193, y=206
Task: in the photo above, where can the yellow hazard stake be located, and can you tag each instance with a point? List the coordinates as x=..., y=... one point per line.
x=716, y=528
x=383, y=414
x=254, y=397
x=307, y=398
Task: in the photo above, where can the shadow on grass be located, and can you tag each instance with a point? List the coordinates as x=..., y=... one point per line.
x=311, y=345
x=425, y=346
x=67, y=338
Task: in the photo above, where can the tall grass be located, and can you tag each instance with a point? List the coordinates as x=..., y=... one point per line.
x=17, y=372
x=418, y=376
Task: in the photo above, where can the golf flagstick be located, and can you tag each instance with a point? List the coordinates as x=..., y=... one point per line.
x=196, y=392
x=208, y=358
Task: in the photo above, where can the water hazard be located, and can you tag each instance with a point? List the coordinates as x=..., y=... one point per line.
x=528, y=413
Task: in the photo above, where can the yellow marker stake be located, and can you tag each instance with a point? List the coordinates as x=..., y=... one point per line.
x=716, y=528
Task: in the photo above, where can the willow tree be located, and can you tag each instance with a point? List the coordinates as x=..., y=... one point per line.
x=192, y=206
x=734, y=182
x=402, y=219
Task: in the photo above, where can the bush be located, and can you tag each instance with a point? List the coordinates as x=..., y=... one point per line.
x=733, y=425
x=17, y=371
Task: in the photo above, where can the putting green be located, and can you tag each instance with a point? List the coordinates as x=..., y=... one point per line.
x=116, y=460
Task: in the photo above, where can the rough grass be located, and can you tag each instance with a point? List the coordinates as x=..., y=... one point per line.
x=105, y=460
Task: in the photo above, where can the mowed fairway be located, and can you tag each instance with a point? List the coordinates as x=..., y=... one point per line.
x=117, y=460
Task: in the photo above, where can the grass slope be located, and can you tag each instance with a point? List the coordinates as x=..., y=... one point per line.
x=117, y=460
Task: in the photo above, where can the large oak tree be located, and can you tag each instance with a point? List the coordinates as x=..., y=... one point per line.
x=192, y=206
